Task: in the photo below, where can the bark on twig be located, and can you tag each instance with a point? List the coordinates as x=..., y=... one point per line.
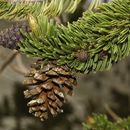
x=8, y=60
x=14, y=68
x=112, y=114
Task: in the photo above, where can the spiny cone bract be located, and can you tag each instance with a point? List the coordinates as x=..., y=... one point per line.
x=11, y=37
x=51, y=82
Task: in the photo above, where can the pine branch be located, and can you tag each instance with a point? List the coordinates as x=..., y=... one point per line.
x=94, y=43
x=10, y=10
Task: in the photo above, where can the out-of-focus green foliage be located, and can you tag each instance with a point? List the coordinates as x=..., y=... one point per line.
x=101, y=122
x=10, y=10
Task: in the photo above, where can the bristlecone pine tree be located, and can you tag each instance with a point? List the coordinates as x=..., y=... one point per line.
x=93, y=43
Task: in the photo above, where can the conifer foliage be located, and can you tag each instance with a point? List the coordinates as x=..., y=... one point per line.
x=102, y=37
x=101, y=122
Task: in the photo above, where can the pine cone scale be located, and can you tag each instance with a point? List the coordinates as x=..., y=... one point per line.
x=48, y=85
x=30, y=82
x=51, y=96
x=41, y=77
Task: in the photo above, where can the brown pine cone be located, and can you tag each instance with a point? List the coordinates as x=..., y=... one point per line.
x=51, y=82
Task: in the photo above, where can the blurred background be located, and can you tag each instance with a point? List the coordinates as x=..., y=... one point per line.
x=103, y=92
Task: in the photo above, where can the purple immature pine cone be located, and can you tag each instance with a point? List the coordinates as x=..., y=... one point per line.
x=11, y=37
